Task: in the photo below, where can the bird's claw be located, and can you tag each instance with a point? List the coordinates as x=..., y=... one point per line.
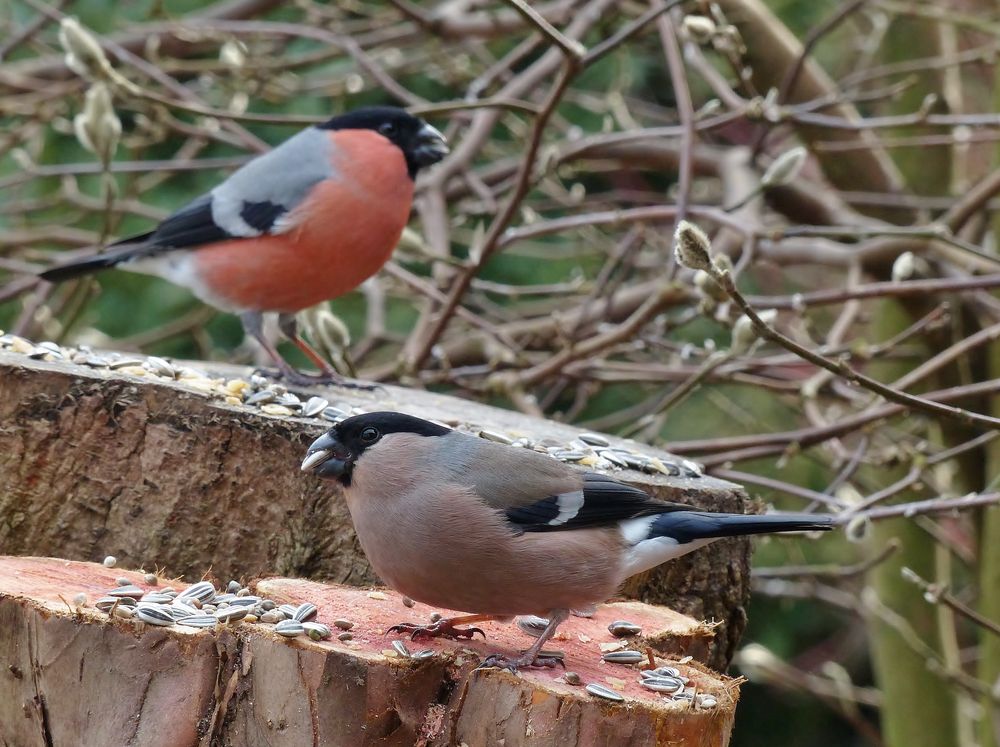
x=440, y=629
x=499, y=661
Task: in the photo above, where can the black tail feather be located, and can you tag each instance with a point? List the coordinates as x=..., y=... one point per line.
x=685, y=526
x=134, y=246
x=80, y=267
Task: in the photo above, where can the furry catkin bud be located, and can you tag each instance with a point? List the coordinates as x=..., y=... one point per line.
x=233, y=54
x=84, y=55
x=699, y=28
x=97, y=127
x=744, y=335
x=904, y=267
x=784, y=168
x=692, y=247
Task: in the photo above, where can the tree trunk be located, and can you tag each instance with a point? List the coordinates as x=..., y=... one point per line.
x=73, y=675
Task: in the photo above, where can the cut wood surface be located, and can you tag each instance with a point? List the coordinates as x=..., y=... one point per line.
x=162, y=471
x=73, y=676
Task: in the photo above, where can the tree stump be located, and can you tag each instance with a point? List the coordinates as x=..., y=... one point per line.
x=74, y=675
x=160, y=471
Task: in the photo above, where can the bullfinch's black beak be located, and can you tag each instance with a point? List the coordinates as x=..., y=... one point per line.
x=430, y=146
x=327, y=457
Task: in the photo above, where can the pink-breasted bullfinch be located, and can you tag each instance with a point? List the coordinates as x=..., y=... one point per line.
x=301, y=224
x=460, y=522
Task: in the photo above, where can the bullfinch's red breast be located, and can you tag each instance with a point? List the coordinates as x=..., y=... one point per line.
x=460, y=522
x=303, y=223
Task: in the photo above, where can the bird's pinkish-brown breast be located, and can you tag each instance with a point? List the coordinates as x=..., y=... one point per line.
x=341, y=234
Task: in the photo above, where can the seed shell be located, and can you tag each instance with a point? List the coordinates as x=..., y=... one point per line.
x=604, y=692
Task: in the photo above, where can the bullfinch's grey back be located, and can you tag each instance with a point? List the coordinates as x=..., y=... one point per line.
x=457, y=521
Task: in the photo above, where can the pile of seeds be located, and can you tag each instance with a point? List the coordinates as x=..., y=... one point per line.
x=201, y=605
x=663, y=680
x=590, y=450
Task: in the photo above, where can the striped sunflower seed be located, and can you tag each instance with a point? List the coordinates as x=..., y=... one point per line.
x=604, y=692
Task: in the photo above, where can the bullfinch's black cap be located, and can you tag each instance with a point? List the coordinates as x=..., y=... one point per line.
x=422, y=144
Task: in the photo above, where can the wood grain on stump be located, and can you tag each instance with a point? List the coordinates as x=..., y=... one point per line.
x=72, y=676
x=96, y=462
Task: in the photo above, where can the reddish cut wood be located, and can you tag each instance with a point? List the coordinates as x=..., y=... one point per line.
x=72, y=676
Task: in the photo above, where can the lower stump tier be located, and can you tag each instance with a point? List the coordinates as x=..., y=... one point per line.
x=72, y=675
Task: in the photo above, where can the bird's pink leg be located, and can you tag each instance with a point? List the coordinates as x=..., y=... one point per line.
x=444, y=628
x=253, y=325
x=531, y=657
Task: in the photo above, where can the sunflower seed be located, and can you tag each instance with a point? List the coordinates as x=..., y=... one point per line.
x=604, y=692
x=334, y=414
x=304, y=611
x=52, y=347
x=314, y=406
x=343, y=624
x=623, y=629
x=126, y=591
x=532, y=625
x=272, y=616
x=124, y=612
x=593, y=439
x=662, y=684
x=407, y=602
x=180, y=610
x=345, y=636
x=155, y=597
x=289, y=628
x=110, y=561
x=160, y=367
x=684, y=695
x=624, y=657
x=268, y=604
x=80, y=600
x=435, y=616
x=153, y=614
x=706, y=701
x=231, y=614
x=568, y=455
x=693, y=468
x=232, y=587
x=496, y=437
x=247, y=602
x=290, y=401
x=317, y=631
x=199, y=621
x=150, y=578
x=262, y=397
x=104, y=604
x=426, y=653
x=203, y=591
x=288, y=610
x=125, y=362
x=572, y=678
x=400, y=648
x=609, y=456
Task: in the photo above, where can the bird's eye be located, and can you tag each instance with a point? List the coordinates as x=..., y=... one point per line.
x=387, y=128
x=369, y=435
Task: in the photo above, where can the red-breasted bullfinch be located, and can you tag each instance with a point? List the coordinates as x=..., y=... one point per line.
x=460, y=522
x=301, y=224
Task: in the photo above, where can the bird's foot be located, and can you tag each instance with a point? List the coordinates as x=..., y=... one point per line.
x=298, y=378
x=542, y=660
x=441, y=629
